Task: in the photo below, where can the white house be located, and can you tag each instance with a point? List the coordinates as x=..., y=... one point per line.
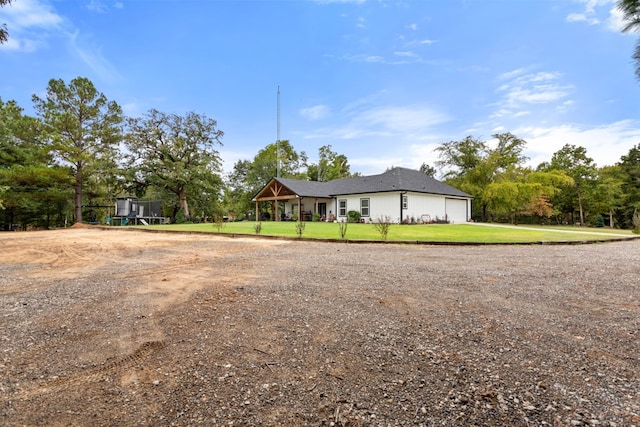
x=397, y=195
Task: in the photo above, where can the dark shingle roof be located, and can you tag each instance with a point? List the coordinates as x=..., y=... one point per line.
x=306, y=188
x=396, y=179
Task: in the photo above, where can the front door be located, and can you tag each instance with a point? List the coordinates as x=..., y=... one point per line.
x=322, y=210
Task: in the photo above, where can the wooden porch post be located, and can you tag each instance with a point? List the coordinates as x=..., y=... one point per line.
x=257, y=219
x=299, y=209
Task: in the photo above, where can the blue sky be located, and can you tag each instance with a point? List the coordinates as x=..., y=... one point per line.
x=383, y=82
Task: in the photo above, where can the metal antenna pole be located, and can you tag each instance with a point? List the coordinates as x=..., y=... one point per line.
x=278, y=137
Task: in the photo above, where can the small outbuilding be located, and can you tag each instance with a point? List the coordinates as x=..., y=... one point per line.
x=399, y=195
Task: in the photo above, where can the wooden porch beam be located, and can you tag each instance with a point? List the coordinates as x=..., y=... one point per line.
x=274, y=198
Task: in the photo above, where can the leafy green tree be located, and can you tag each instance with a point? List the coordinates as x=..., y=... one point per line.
x=471, y=165
x=428, y=170
x=81, y=126
x=460, y=157
x=265, y=164
x=34, y=188
x=238, y=190
x=177, y=154
x=3, y=189
x=521, y=191
x=331, y=165
x=249, y=176
x=573, y=160
x=630, y=167
x=609, y=195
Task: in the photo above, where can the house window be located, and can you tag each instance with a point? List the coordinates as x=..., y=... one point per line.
x=364, y=207
x=405, y=201
x=342, y=207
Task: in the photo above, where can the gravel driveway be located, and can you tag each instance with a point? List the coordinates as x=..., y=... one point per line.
x=119, y=327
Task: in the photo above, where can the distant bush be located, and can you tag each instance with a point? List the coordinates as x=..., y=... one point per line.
x=354, y=216
x=343, y=229
x=599, y=221
x=218, y=222
x=382, y=226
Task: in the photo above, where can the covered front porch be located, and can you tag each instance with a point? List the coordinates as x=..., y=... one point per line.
x=279, y=202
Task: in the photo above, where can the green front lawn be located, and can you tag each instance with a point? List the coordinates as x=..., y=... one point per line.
x=454, y=233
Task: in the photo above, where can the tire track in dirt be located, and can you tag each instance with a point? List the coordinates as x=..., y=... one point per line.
x=93, y=375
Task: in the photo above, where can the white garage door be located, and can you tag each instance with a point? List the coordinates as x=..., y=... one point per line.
x=456, y=210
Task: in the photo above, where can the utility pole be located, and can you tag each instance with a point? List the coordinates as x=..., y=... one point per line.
x=278, y=137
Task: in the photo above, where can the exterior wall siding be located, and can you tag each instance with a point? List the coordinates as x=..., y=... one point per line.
x=420, y=207
x=424, y=207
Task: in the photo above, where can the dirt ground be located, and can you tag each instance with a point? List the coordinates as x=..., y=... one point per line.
x=119, y=327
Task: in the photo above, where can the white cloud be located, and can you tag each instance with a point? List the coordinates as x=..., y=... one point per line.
x=96, y=6
x=30, y=24
x=316, y=112
x=340, y=1
x=615, y=21
x=92, y=56
x=400, y=119
x=583, y=17
x=521, y=88
x=30, y=13
x=605, y=143
x=365, y=58
x=596, y=12
x=364, y=119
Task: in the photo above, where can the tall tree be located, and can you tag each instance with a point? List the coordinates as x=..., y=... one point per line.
x=631, y=14
x=472, y=165
x=178, y=154
x=573, y=160
x=608, y=193
x=428, y=170
x=630, y=166
x=238, y=189
x=264, y=165
x=521, y=191
x=459, y=157
x=331, y=165
x=249, y=176
x=33, y=186
x=4, y=34
x=81, y=125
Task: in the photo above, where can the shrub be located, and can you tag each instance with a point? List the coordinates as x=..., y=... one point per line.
x=382, y=226
x=599, y=221
x=257, y=227
x=180, y=218
x=218, y=222
x=316, y=217
x=343, y=229
x=636, y=221
x=354, y=216
x=300, y=226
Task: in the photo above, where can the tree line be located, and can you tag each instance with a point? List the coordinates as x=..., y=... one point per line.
x=568, y=189
x=69, y=163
